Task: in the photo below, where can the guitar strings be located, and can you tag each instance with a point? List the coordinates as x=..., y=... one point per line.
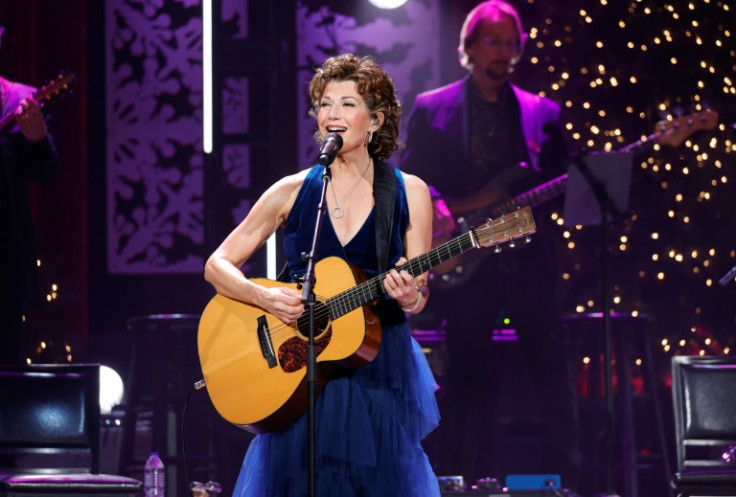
x=344, y=299
x=365, y=291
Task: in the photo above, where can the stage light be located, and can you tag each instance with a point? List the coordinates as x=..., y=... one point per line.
x=388, y=4
x=111, y=389
x=271, y=257
x=207, y=69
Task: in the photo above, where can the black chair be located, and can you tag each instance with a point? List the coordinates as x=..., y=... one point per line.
x=704, y=401
x=50, y=433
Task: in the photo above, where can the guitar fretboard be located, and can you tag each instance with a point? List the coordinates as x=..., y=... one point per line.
x=372, y=289
x=533, y=197
x=493, y=232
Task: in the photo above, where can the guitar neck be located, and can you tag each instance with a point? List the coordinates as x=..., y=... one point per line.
x=674, y=131
x=372, y=289
x=61, y=84
x=639, y=145
x=534, y=197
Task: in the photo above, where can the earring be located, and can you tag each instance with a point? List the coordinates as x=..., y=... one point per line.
x=370, y=136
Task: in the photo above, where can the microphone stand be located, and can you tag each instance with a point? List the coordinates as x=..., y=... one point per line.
x=308, y=299
x=607, y=205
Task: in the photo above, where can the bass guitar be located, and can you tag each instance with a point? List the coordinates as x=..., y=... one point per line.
x=61, y=84
x=254, y=365
x=670, y=132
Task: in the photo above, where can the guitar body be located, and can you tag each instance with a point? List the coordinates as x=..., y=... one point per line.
x=259, y=396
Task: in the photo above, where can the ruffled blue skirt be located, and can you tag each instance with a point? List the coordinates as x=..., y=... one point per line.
x=369, y=429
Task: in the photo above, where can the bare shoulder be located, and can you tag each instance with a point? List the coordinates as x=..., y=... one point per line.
x=287, y=187
x=414, y=184
x=280, y=197
x=291, y=181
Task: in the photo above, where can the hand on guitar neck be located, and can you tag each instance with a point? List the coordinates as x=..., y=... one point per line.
x=31, y=120
x=28, y=113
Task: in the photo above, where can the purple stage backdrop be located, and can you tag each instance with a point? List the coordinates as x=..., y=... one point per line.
x=153, y=104
x=153, y=109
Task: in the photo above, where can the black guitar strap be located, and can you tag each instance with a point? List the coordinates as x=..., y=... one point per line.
x=384, y=191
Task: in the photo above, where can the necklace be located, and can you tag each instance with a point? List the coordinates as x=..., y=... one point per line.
x=337, y=212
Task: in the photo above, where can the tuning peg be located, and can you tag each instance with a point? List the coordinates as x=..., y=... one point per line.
x=497, y=249
x=527, y=239
x=512, y=244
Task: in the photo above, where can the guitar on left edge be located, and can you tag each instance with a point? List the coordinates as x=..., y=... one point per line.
x=254, y=365
x=61, y=84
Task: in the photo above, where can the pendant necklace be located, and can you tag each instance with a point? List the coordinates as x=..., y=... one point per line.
x=337, y=212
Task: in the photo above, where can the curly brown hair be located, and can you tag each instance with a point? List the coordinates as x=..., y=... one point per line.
x=374, y=86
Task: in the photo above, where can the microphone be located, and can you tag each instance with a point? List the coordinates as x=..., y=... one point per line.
x=330, y=147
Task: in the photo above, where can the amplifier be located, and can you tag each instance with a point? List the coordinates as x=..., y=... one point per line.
x=527, y=485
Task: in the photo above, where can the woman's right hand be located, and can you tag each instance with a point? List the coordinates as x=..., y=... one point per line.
x=283, y=302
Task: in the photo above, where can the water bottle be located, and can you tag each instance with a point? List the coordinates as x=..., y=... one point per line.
x=154, y=479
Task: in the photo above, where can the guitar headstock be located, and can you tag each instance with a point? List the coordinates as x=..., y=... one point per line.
x=506, y=228
x=61, y=84
x=676, y=130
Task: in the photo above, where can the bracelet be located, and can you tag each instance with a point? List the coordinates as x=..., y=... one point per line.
x=413, y=308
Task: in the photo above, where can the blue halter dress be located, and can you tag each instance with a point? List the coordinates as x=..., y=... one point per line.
x=370, y=422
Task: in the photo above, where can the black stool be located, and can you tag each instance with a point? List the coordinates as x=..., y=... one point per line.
x=164, y=366
x=630, y=341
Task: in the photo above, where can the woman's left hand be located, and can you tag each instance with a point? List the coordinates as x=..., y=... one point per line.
x=401, y=286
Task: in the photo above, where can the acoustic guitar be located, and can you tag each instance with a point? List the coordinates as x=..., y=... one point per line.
x=61, y=84
x=254, y=365
x=670, y=132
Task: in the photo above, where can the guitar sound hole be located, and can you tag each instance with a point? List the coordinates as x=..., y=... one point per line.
x=321, y=321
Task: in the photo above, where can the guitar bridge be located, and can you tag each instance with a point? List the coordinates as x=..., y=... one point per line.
x=264, y=339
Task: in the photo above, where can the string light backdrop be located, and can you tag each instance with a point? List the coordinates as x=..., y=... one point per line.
x=618, y=68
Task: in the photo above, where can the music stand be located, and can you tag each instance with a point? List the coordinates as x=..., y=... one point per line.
x=598, y=186
x=612, y=171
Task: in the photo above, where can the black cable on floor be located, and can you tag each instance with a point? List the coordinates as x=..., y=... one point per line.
x=551, y=484
x=196, y=386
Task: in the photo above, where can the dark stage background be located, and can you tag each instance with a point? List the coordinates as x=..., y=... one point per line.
x=136, y=207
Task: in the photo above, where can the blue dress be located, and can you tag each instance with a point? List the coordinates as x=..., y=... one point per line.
x=369, y=423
